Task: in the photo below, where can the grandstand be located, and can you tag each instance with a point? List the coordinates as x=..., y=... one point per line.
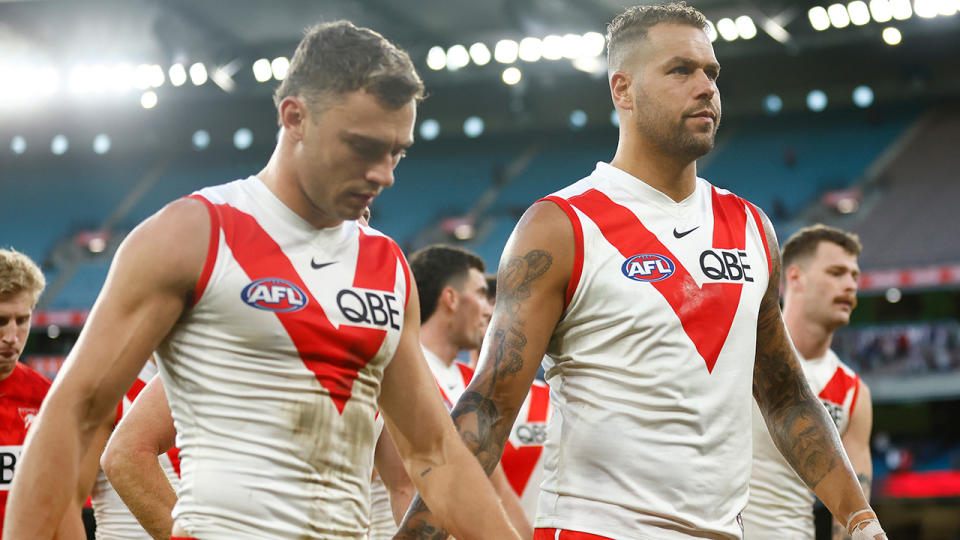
x=883, y=168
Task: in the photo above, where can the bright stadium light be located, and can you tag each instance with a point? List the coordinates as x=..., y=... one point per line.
x=859, y=12
x=198, y=74
x=242, y=138
x=577, y=120
x=18, y=144
x=473, y=127
x=817, y=100
x=947, y=7
x=891, y=36
x=819, y=19
x=571, y=45
x=531, y=49
x=512, y=75
x=155, y=76
x=429, y=129
x=926, y=9
x=101, y=143
x=862, y=96
x=149, y=99
x=772, y=104
x=728, y=29
x=900, y=9
x=177, y=74
x=593, y=43
x=279, y=66
x=614, y=118
x=712, y=32
x=436, y=58
x=880, y=11
x=457, y=57
x=553, y=47
x=59, y=145
x=506, y=51
x=262, y=71
x=745, y=27
x=480, y=54
x=839, y=17
x=141, y=77
x=200, y=139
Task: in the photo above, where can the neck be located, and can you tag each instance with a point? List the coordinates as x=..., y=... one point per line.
x=433, y=336
x=282, y=180
x=812, y=340
x=675, y=177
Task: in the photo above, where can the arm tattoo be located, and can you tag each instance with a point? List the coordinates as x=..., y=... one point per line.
x=797, y=421
x=483, y=426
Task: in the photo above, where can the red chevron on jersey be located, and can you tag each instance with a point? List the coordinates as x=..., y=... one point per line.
x=519, y=463
x=838, y=387
x=334, y=355
x=706, y=313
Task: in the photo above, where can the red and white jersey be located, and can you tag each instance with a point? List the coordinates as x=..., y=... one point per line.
x=651, y=364
x=114, y=520
x=21, y=394
x=522, y=459
x=781, y=505
x=273, y=374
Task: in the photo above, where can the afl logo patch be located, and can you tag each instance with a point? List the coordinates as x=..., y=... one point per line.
x=274, y=294
x=648, y=267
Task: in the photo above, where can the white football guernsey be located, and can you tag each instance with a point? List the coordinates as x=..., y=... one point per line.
x=781, y=504
x=651, y=364
x=114, y=520
x=522, y=459
x=273, y=374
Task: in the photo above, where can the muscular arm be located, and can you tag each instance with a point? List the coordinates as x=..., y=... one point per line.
x=798, y=423
x=531, y=282
x=147, y=289
x=434, y=457
x=389, y=466
x=511, y=503
x=130, y=460
x=856, y=441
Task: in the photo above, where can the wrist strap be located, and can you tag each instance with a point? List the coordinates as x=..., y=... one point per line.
x=857, y=513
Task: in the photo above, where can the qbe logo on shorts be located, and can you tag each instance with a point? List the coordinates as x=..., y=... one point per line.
x=9, y=455
x=648, y=267
x=274, y=294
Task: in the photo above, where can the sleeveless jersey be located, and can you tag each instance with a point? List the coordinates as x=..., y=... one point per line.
x=21, y=394
x=651, y=364
x=114, y=520
x=522, y=455
x=781, y=504
x=273, y=374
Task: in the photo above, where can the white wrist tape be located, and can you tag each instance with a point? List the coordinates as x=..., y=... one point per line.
x=868, y=529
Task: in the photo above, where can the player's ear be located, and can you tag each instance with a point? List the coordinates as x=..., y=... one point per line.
x=793, y=275
x=293, y=115
x=448, y=298
x=621, y=90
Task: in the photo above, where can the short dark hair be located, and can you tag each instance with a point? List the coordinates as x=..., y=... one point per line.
x=634, y=23
x=803, y=243
x=339, y=57
x=438, y=266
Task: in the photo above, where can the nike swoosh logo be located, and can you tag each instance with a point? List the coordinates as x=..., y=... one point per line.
x=682, y=234
x=316, y=266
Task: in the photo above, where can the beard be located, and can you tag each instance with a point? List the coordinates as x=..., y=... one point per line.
x=673, y=137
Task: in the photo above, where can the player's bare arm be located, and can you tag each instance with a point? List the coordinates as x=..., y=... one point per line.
x=798, y=423
x=511, y=502
x=531, y=282
x=389, y=465
x=856, y=442
x=148, y=287
x=439, y=465
x=130, y=460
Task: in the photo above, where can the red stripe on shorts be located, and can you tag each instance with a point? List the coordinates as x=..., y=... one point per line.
x=551, y=534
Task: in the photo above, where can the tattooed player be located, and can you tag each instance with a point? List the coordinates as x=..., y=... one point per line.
x=655, y=296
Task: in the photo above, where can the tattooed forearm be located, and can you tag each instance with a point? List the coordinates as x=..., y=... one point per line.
x=416, y=525
x=866, y=481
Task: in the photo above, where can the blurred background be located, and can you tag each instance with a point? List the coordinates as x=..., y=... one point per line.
x=846, y=113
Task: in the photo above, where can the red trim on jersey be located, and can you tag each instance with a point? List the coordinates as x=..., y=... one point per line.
x=406, y=271
x=763, y=233
x=709, y=323
x=577, y=246
x=856, y=392
x=334, y=355
x=466, y=373
x=212, y=247
x=838, y=387
x=552, y=534
x=174, y=455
